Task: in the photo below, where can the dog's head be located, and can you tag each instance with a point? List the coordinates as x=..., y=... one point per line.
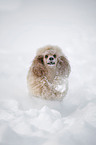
x=50, y=57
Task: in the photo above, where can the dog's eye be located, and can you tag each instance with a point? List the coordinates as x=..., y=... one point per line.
x=46, y=56
x=54, y=55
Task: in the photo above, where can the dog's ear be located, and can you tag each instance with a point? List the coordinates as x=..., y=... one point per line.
x=39, y=59
x=39, y=68
x=63, y=66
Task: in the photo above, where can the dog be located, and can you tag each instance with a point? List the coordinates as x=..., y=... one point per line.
x=48, y=75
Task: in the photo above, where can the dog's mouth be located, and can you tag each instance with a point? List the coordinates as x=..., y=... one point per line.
x=51, y=63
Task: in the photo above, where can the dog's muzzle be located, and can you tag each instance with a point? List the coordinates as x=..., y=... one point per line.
x=51, y=61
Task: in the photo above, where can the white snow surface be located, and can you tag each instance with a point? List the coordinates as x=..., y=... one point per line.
x=26, y=25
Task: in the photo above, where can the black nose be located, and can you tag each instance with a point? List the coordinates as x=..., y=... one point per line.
x=51, y=58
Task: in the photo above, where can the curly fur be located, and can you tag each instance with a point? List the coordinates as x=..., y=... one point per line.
x=43, y=79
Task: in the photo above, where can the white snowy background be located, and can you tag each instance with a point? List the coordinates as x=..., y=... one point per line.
x=26, y=25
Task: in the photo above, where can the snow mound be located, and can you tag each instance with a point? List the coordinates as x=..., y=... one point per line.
x=18, y=124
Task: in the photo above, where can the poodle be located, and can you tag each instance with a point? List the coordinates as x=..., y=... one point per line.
x=48, y=75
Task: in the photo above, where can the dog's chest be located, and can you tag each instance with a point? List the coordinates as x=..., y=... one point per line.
x=51, y=75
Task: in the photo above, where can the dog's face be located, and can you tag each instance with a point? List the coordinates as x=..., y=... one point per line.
x=50, y=58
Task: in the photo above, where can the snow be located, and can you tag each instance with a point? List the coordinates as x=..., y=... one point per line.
x=26, y=26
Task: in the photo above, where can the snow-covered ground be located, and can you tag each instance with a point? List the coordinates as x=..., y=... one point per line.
x=26, y=25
